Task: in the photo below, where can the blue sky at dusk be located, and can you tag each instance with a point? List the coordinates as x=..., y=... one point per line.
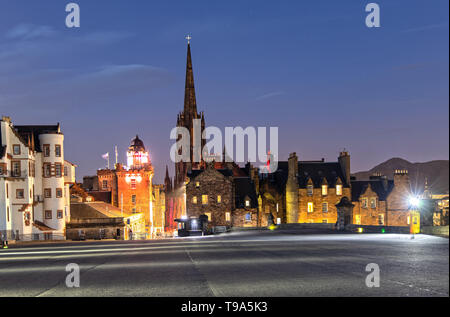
x=312, y=68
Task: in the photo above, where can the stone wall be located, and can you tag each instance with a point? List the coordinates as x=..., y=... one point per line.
x=318, y=216
x=212, y=184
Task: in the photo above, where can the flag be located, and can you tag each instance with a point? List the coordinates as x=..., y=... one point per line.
x=105, y=156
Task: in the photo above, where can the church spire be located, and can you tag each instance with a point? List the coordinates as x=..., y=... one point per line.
x=190, y=103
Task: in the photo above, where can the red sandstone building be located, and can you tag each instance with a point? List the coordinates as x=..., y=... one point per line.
x=130, y=188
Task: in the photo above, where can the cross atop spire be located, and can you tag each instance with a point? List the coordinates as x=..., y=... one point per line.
x=188, y=38
x=190, y=103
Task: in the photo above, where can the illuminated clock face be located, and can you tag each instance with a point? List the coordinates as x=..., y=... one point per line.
x=137, y=158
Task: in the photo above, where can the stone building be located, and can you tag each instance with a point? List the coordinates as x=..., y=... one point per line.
x=34, y=182
x=383, y=202
x=227, y=198
x=99, y=220
x=305, y=191
x=130, y=188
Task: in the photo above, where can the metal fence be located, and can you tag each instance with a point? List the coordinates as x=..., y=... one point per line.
x=12, y=236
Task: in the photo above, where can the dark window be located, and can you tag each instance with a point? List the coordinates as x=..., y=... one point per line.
x=58, y=150
x=59, y=214
x=310, y=189
x=47, y=170
x=59, y=193
x=48, y=214
x=58, y=170
x=46, y=150
x=20, y=194
x=48, y=193
x=15, y=168
x=16, y=149
x=105, y=184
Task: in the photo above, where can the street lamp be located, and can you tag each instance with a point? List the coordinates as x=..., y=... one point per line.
x=414, y=214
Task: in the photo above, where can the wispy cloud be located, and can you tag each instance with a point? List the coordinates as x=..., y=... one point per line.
x=270, y=95
x=29, y=31
x=426, y=27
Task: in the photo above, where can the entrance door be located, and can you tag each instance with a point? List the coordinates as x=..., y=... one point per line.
x=415, y=222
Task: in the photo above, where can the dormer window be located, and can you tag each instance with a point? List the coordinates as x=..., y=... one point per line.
x=16, y=149
x=310, y=190
x=197, y=184
x=247, y=203
x=364, y=202
x=373, y=203
x=338, y=190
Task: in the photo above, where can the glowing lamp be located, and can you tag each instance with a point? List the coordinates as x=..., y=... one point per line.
x=360, y=230
x=414, y=201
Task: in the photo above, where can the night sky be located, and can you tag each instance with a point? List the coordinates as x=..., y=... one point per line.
x=312, y=68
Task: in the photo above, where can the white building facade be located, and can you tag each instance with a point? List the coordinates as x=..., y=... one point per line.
x=34, y=187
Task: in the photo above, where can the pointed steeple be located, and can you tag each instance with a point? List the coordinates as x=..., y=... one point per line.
x=190, y=102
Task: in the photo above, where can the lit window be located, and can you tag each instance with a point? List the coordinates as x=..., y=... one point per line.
x=310, y=207
x=364, y=202
x=228, y=216
x=338, y=190
x=16, y=149
x=408, y=220
x=204, y=199
x=373, y=203
x=358, y=219
x=219, y=199
x=247, y=203
x=324, y=190
x=310, y=190
x=194, y=199
x=324, y=207
x=58, y=150
x=197, y=184
x=208, y=214
x=248, y=216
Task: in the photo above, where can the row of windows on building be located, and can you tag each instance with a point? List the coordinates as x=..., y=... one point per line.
x=16, y=169
x=46, y=149
x=310, y=190
x=20, y=193
x=247, y=216
x=365, y=202
x=49, y=214
x=205, y=200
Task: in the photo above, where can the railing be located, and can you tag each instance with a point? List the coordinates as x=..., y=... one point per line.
x=37, y=237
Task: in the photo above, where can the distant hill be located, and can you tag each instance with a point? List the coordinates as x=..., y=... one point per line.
x=437, y=173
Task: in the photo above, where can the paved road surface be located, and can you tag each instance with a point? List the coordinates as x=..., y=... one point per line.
x=260, y=263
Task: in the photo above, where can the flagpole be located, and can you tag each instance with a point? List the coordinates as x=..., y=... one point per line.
x=116, y=155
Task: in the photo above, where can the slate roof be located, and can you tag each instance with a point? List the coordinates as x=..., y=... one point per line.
x=224, y=171
x=382, y=190
x=317, y=171
x=34, y=131
x=245, y=187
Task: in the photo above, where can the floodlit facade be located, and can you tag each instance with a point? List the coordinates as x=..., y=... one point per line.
x=34, y=189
